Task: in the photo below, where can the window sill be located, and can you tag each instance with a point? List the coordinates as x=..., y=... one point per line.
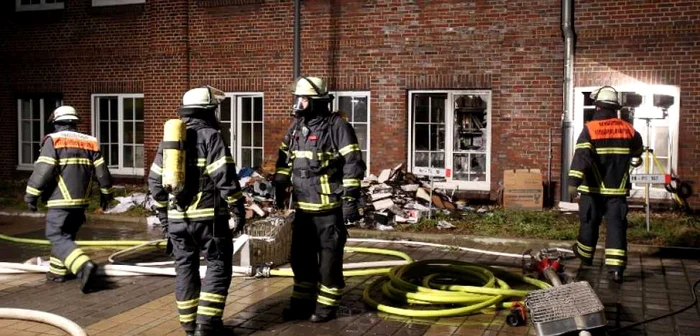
x=25, y=167
x=38, y=8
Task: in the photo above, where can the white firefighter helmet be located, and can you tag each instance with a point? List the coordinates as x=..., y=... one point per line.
x=203, y=97
x=312, y=87
x=64, y=113
x=606, y=96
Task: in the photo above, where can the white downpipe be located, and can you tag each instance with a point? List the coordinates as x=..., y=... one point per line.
x=43, y=317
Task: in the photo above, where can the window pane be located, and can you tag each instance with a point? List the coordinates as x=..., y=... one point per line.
x=139, y=108
x=258, y=108
x=437, y=110
x=36, y=109
x=114, y=132
x=257, y=135
x=114, y=155
x=104, y=132
x=361, y=131
x=113, y=109
x=139, y=132
x=25, y=2
x=478, y=167
x=437, y=160
x=128, y=156
x=422, y=159
x=661, y=141
x=360, y=114
x=587, y=101
x=26, y=108
x=225, y=110
x=128, y=132
x=128, y=108
x=26, y=131
x=27, y=153
x=245, y=135
x=364, y=156
x=104, y=149
x=437, y=137
x=245, y=109
x=226, y=133
x=345, y=106
x=257, y=157
x=422, y=137
x=460, y=167
x=139, y=157
x=245, y=160
x=588, y=114
x=420, y=107
x=36, y=131
x=103, y=106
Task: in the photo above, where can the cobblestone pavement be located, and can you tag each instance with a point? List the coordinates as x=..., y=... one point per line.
x=655, y=285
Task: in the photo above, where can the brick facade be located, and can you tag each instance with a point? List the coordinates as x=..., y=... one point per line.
x=514, y=48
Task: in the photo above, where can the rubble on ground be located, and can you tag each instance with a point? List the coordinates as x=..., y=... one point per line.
x=393, y=198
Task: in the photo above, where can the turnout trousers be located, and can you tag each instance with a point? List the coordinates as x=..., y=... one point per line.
x=318, y=240
x=592, y=210
x=201, y=301
x=62, y=225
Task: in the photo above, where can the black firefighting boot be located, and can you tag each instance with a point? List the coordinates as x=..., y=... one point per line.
x=59, y=278
x=211, y=330
x=87, y=276
x=616, y=276
x=323, y=313
x=299, y=310
x=189, y=328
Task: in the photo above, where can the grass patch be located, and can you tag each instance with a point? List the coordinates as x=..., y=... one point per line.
x=669, y=229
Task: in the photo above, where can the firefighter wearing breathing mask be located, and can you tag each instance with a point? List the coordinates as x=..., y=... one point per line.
x=195, y=210
x=320, y=157
x=605, y=151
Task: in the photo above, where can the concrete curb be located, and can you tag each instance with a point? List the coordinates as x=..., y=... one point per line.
x=437, y=238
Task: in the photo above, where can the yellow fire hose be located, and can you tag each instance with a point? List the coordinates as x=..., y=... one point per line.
x=473, y=287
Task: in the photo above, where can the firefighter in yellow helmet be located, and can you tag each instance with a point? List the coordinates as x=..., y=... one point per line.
x=321, y=159
x=62, y=177
x=196, y=215
x=605, y=150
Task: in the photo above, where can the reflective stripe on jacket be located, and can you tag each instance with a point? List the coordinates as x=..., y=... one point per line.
x=601, y=162
x=64, y=171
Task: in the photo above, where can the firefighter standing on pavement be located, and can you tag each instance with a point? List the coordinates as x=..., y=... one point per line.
x=600, y=169
x=197, y=219
x=63, y=177
x=321, y=159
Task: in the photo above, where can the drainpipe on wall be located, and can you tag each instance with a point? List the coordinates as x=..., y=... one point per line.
x=297, y=38
x=567, y=122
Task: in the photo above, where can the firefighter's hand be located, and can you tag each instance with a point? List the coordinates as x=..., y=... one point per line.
x=237, y=211
x=32, y=206
x=163, y=218
x=573, y=192
x=351, y=212
x=105, y=200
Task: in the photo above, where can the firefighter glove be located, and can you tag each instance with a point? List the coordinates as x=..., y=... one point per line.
x=573, y=192
x=105, y=200
x=237, y=211
x=351, y=211
x=31, y=205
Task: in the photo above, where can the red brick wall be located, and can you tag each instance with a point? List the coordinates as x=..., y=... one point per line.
x=387, y=47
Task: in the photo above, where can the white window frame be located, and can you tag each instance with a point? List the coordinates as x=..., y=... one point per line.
x=363, y=94
x=236, y=132
x=671, y=121
x=120, y=170
x=20, y=165
x=38, y=7
x=449, y=138
x=103, y=3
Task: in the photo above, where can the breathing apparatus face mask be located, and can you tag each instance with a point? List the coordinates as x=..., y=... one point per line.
x=298, y=107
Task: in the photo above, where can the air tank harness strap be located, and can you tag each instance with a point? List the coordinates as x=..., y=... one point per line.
x=179, y=145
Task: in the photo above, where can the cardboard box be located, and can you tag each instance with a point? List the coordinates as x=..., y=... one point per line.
x=522, y=189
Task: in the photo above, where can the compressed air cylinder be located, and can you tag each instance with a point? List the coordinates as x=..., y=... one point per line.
x=174, y=135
